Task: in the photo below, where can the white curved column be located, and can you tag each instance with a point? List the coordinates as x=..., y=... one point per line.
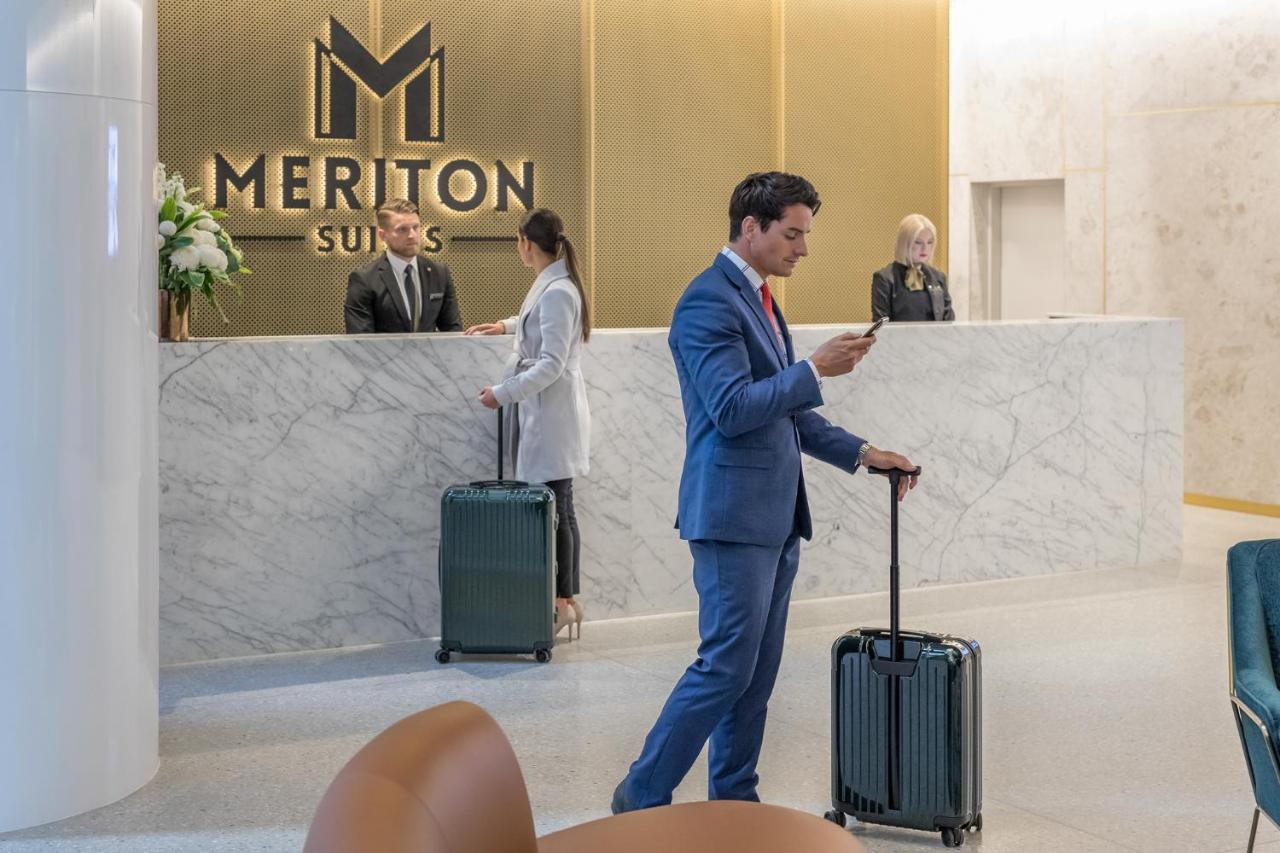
x=78, y=403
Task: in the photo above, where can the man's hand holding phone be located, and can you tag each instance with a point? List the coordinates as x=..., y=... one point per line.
x=841, y=354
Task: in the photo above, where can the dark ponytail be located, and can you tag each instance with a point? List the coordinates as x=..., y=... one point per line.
x=545, y=229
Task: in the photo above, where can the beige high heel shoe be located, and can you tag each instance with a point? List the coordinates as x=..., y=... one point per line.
x=579, y=612
x=565, y=617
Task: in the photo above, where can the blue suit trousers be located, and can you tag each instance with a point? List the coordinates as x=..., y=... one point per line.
x=743, y=594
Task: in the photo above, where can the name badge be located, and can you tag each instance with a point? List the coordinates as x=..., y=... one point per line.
x=432, y=297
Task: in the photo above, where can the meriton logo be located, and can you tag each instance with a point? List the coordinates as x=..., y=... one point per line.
x=360, y=176
x=344, y=60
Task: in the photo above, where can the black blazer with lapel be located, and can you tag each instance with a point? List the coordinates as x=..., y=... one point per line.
x=890, y=297
x=374, y=303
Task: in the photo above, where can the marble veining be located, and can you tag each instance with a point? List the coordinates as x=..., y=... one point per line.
x=300, y=478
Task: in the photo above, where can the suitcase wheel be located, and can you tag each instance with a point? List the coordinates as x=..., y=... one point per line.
x=976, y=826
x=542, y=655
x=835, y=816
x=952, y=837
x=442, y=655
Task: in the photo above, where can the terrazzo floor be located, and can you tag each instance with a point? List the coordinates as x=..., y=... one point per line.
x=1107, y=725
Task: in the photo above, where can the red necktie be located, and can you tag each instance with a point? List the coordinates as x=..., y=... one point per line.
x=767, y=298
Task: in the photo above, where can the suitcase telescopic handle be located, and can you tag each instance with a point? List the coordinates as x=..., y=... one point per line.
x=895, y=667
x=895, y=476
x=500, y=447
x=893, y=473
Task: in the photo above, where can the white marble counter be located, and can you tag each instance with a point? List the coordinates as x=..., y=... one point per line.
x=301, y=477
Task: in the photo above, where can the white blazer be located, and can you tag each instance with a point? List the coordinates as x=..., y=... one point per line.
x=544, y=376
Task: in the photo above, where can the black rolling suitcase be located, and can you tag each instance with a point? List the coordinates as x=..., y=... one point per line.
x=906, y=722
x=497, y=567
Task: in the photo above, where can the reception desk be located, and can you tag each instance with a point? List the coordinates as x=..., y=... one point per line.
x=301, y=477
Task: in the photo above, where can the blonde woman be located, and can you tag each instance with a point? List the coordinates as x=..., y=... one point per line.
x=909, y=290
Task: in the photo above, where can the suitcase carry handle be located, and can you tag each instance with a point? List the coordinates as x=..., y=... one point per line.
x=898, y=668
x=905, y=665
x=910, y=636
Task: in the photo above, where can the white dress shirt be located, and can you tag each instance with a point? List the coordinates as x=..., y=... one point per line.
x=398, y=266
x=757, y=281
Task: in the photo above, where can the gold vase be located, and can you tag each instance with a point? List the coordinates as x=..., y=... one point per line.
x=175, y=323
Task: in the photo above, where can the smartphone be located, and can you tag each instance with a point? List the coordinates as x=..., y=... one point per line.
x=875, y=327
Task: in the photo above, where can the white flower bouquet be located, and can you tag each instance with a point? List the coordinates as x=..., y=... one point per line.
x=195, y=250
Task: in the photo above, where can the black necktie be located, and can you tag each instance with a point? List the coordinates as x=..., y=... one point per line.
x=411, y=295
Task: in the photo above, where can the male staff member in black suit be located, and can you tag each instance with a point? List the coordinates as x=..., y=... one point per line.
x=401, y=291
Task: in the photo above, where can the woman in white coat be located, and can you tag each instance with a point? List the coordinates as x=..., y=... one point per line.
x=544, y=380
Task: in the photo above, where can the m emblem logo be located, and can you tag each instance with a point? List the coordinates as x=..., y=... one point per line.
x=346, y=60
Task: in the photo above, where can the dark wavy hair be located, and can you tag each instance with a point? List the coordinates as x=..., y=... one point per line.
x=765, y=196
x=545, y=229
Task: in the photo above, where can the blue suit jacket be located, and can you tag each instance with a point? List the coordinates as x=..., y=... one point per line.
x=748, y=416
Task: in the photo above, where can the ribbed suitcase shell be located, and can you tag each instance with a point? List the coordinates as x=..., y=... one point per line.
x=497, y=567
x=940, y=777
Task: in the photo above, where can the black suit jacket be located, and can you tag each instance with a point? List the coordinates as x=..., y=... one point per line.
x=374, y=303
x=890, y=297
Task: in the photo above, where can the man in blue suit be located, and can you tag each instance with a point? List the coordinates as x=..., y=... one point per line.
x=748, y=407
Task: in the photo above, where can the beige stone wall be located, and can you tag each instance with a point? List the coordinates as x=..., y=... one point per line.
x=1163, y=122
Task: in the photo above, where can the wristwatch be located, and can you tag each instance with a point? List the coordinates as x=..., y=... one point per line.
x=862, y=451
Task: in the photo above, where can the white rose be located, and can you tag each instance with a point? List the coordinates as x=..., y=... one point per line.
x=200, y=238
x=159, y=242
x=208, y=224
x=185, y=208
x=186, y=258
x=168, y=228
x=213, y=258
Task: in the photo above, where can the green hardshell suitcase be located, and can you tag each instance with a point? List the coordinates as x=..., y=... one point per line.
x=497, y=567
x=906, y=723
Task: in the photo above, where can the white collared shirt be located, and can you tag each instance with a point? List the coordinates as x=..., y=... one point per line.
x=757, y=281
x=398, y=266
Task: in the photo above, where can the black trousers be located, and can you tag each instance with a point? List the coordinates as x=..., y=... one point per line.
x=568, y=544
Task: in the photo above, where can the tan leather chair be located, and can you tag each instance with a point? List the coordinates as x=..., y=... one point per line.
x=445, y=780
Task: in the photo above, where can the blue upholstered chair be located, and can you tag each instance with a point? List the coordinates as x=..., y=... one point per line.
x=1253, y=578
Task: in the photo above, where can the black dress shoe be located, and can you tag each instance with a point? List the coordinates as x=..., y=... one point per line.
x=620, y=804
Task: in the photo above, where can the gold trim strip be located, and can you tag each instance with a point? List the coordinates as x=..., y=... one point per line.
x=1106, y=222
x=589, y=92
x=942, y=109
x=1231, y=504
x=1204, y=108
x=1106, y=177
x=778, y=84
x=375, y=108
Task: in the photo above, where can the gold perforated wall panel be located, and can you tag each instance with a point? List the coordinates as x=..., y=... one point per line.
x=236, y=78
x=684, y=109
x=639, y=120
x=866, y=121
